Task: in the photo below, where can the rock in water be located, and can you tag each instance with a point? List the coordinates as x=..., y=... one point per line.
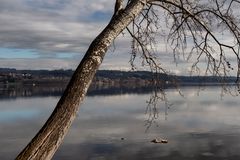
x=164, y=141
x=159, y=141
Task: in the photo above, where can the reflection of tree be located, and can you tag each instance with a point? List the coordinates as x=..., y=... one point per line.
x=157, y=99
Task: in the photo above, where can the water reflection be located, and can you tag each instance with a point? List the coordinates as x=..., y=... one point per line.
x=16, y=91
x=113, y=127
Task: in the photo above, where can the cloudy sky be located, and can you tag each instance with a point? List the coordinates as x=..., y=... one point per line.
x=55, y=34
x=49, y=34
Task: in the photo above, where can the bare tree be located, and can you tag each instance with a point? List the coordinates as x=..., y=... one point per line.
x=191, y=24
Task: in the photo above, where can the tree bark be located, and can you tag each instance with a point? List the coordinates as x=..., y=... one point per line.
x=46, y=142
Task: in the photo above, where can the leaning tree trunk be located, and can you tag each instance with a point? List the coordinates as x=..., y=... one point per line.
x=45, y=143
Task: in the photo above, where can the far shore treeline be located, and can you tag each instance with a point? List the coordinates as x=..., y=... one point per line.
x=9, y=76
x=34, y=83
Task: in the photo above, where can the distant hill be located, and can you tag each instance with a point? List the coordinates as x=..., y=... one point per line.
x=104, y=77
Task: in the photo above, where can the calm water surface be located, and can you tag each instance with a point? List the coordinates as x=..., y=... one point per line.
x=197, y=126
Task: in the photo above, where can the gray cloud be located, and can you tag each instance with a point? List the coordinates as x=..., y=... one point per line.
x=51, y=26
x=43, y=63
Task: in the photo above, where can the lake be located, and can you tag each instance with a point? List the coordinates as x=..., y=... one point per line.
x=198, y=125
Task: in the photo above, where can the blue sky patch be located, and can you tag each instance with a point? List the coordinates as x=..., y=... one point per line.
x=17, y=53
x=100, y=16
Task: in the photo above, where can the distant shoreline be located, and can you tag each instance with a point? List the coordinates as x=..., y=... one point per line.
x=106, y=78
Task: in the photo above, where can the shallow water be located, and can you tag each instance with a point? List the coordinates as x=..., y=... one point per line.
x=197, y=126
